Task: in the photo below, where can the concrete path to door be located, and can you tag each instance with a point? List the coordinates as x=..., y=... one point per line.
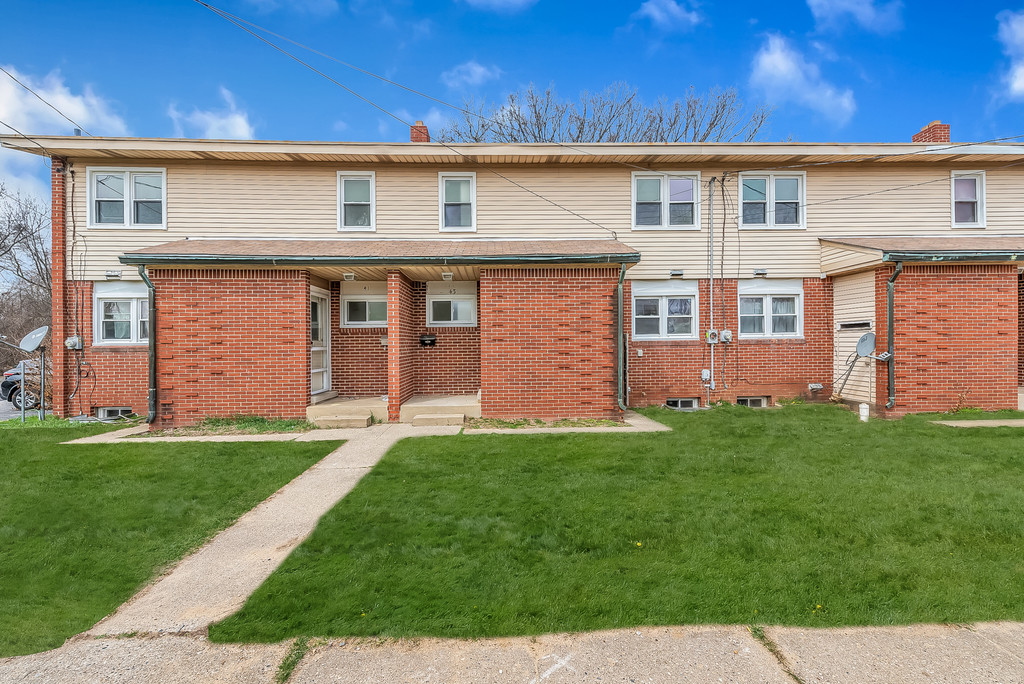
x=215, y=581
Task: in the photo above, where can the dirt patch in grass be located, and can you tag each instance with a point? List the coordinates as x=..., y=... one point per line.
x=235, y=425
x=523, y=423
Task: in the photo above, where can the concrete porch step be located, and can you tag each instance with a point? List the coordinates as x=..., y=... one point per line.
x=466, y=404
x=348, y=420
x=439, y=419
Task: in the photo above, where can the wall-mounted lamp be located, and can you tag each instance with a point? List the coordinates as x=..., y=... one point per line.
x=349, y=276
x=760, y=272
x=447, y=276
x=113, y=275
x=675, y=274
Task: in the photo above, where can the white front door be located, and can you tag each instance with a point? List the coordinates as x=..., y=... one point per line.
x=320, y=341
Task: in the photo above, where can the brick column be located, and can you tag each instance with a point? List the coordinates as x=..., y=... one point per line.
x=58, y=231
x=402, y=342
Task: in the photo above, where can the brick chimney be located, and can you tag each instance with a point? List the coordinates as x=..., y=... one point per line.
x=419, y=133
x=935, y=132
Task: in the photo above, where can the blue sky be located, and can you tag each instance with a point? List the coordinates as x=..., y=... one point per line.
x=834, y=70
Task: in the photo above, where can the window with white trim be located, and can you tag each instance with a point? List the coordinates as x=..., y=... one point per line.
x=457, y=197
x=127, y=198
x=665, y=309
x=365, y=312
x=451, y=304
x=753, y=402
x=666, y=201
x=770, y=308
x=357, y=204
x=113, y=412
x=968, y=199
x=121, y=313
x=772, y=200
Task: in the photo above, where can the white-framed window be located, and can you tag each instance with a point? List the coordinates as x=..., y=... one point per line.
x=770, y=308
x=127, y=197
x=772, y=200
x=754, y=402
x=666, y=201
x=364, y=304
x=357, y=201
x=113, y=412
x=451, y=304
x=683, y=403
x=121, y=313
x=967, y=194
x=457, y=201
x=664, y=309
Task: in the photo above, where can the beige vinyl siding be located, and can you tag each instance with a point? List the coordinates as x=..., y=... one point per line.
x=274, y=200
x=854, y=301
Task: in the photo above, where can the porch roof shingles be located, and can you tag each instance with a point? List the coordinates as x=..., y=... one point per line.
x=381, y=252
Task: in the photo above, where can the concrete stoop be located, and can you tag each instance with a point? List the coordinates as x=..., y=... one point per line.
x=421, y=410
x=468, y=405
x=347, y=413
x=439, y=419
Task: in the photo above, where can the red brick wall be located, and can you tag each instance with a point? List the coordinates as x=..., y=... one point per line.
x=231, y=342
x=58, y=264
x=107, y=375
x=452, y=365
x=935, y=132
x=1020, y=330
x=359, y=362
x=777, y=368
x=403, y=340
x=956, y=340
x=547, y=340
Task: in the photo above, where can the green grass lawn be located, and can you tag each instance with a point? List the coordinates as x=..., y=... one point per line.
x=799, y=516
x=83, y=527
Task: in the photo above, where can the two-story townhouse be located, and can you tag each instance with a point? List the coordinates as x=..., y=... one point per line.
x=206, y=277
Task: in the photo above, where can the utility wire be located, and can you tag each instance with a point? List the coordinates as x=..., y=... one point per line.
x=31, y=140
x=40, y=98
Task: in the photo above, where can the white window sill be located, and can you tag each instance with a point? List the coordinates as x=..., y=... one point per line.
x=968, y=226
x=638, y=228
x=381, y=324
x=462, y=229
x=771, y=338
x=450, y=325
x=120, y=345
x=357, y=229
x=121, y=226
x=659, y=338
x=763, y=227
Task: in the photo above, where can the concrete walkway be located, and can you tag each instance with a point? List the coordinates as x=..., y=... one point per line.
x=216, y=580
x=982, y=422
x=920, y=654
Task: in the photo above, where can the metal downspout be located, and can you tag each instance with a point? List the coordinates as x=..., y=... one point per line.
x=890, y=334
x=620, y=346
x=152, y=344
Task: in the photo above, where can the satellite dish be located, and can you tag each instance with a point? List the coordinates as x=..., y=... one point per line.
x=866, y=344
x=31, y=342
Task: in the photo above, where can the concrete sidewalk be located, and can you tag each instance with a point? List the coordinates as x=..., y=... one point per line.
x=919, y=654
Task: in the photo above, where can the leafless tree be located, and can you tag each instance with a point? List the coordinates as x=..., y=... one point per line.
x=615, y=115
x=24, y=269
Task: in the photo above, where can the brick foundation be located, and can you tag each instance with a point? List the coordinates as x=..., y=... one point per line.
x=956, y=337
x=547, y=341
x=231, y=342
x=776, y=368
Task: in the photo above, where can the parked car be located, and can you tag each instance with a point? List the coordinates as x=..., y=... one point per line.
x=10, y=387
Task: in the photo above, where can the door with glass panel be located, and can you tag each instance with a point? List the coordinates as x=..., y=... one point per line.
x=319, y=341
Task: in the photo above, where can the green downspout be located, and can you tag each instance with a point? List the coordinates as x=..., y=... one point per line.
x=152, y=343
x=890, y=333
x=619, y=344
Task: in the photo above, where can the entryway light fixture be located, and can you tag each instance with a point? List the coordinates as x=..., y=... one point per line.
x=760, y=272
x=349, y=276
x=113, y=275
x=447, y=276
x=675, y=274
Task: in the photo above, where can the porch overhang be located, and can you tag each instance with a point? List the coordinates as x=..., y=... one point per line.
x=849, y=255
x=382, y=253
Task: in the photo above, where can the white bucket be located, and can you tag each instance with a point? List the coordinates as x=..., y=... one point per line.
x=864, y=411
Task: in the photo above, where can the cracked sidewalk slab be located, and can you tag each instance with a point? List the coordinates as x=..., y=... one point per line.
x=663, y=654
x=936, y=654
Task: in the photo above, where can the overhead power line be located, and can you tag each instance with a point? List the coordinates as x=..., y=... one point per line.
x=40, y=98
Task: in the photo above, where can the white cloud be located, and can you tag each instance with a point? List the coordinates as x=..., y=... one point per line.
x=222, y=124
x=470, y=73
x=319, y=8
x=871, y=15
x=1011, y=35
x=667, y=15
x=433, y=119
x=784, y=75
x=22, y=172
x=501, y=5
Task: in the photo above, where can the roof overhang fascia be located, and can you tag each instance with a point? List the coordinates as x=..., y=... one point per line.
x=953, y=256
x=270, y=260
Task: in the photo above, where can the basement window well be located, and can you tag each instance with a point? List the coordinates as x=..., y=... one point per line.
x=113, y=412
x=754, y=402
x=683, y=403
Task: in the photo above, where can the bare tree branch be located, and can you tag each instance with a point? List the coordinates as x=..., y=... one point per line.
x=613, y=115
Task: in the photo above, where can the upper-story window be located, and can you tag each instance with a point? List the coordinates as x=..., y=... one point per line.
x=772, y=200
x=968, y=196
x=357, y=205
x=666, y=201
x=457, y=195
x=127, y=198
